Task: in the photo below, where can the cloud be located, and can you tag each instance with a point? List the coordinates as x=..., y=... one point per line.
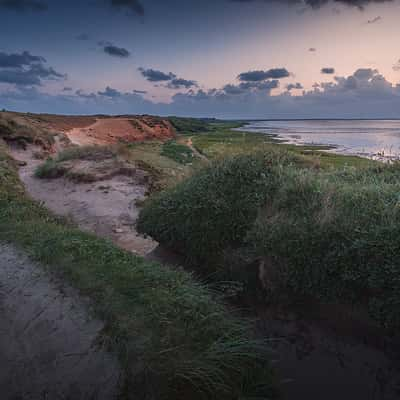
x=363, y=94
x=312, y=49
x=396, y=66
x=153, y=75
x=25, y=69
x=114, y=51
x=130, y=6
x=24, y=5
x=18, y=60
x=328, y=70
x=67, y=89
x=140, y=91
x=257, y=76
x=292, y=86
x=178, y=83
x=110, y=92
x=82, y=36
x=316, y=4
x=374, y=20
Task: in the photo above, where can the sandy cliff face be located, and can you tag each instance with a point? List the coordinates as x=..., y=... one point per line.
x=82, y=130
x=122, y=129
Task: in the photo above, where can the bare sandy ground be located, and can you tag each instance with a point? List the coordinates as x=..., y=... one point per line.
x=112, y=130
x=106, y=208
x=48, y=338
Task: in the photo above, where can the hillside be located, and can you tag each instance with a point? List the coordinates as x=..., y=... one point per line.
x=46, y=130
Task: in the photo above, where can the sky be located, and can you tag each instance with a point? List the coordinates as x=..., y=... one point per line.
x=210, y=58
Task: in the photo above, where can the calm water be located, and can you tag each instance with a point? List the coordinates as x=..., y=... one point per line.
x=368, y=138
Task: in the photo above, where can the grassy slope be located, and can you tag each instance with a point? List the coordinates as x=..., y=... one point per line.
x=173, y=337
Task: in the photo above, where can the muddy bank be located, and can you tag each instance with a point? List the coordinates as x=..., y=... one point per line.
x=49, y=347
x=316, y=362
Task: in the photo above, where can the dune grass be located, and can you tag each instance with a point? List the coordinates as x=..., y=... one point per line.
x=333, y=234
x=177, y=152
x=173, y=336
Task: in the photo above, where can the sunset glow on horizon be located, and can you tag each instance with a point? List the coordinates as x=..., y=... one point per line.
x=99, y=56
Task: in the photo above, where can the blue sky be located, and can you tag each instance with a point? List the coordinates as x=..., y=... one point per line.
x=221, y=58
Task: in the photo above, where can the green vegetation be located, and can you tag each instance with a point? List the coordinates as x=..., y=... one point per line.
x=50, y=169
x=328, y=233
x=59, y=166
x=222, y=141
x=12, y=129
x=174, y=338
x=189, y=125
x=91, y=153
x=177, y=152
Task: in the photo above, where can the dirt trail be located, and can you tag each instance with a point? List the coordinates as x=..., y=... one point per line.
x=48, y=339
x=106, y=208
x=189, y=143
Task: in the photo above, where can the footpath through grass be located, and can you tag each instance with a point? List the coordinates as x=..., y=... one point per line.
x=174, y=338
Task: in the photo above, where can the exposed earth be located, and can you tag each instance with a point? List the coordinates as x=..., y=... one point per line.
x=49, y=342
x=112, y=130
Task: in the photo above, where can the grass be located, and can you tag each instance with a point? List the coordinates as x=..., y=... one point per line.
x=189, y=125
x=174, y=338
x=57, y=167
x=329, y=233
x=222, y=141
x=15, y=129
x=177, y=152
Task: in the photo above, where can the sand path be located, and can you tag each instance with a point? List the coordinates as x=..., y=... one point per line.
x=106, y=208
x=48, y=338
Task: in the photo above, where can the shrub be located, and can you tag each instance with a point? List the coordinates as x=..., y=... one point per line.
x=212, y=211
x=177, y=152
x=50, y=169
x=92, y=153
x=337, y=238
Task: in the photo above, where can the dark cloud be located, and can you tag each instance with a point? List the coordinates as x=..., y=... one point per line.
x=110, y=92
x=172, y=80
x=292, y=86
x=140, y=91
x=257, y=76
x=67, y=89
x=312, y=49
x=328, y=70
x=83, y=95
x=315, y=4
x=82, y=36
x=374, y=20
x=114, y=51
x=179, y=83
x=31, y=76
x=250, y=87
x=18, y=60
x=153, y=75
x=396, y=67
x=25, y=69
x=24, y=5
x=130, y=6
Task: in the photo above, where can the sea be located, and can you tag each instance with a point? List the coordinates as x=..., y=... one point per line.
x=376, y=139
